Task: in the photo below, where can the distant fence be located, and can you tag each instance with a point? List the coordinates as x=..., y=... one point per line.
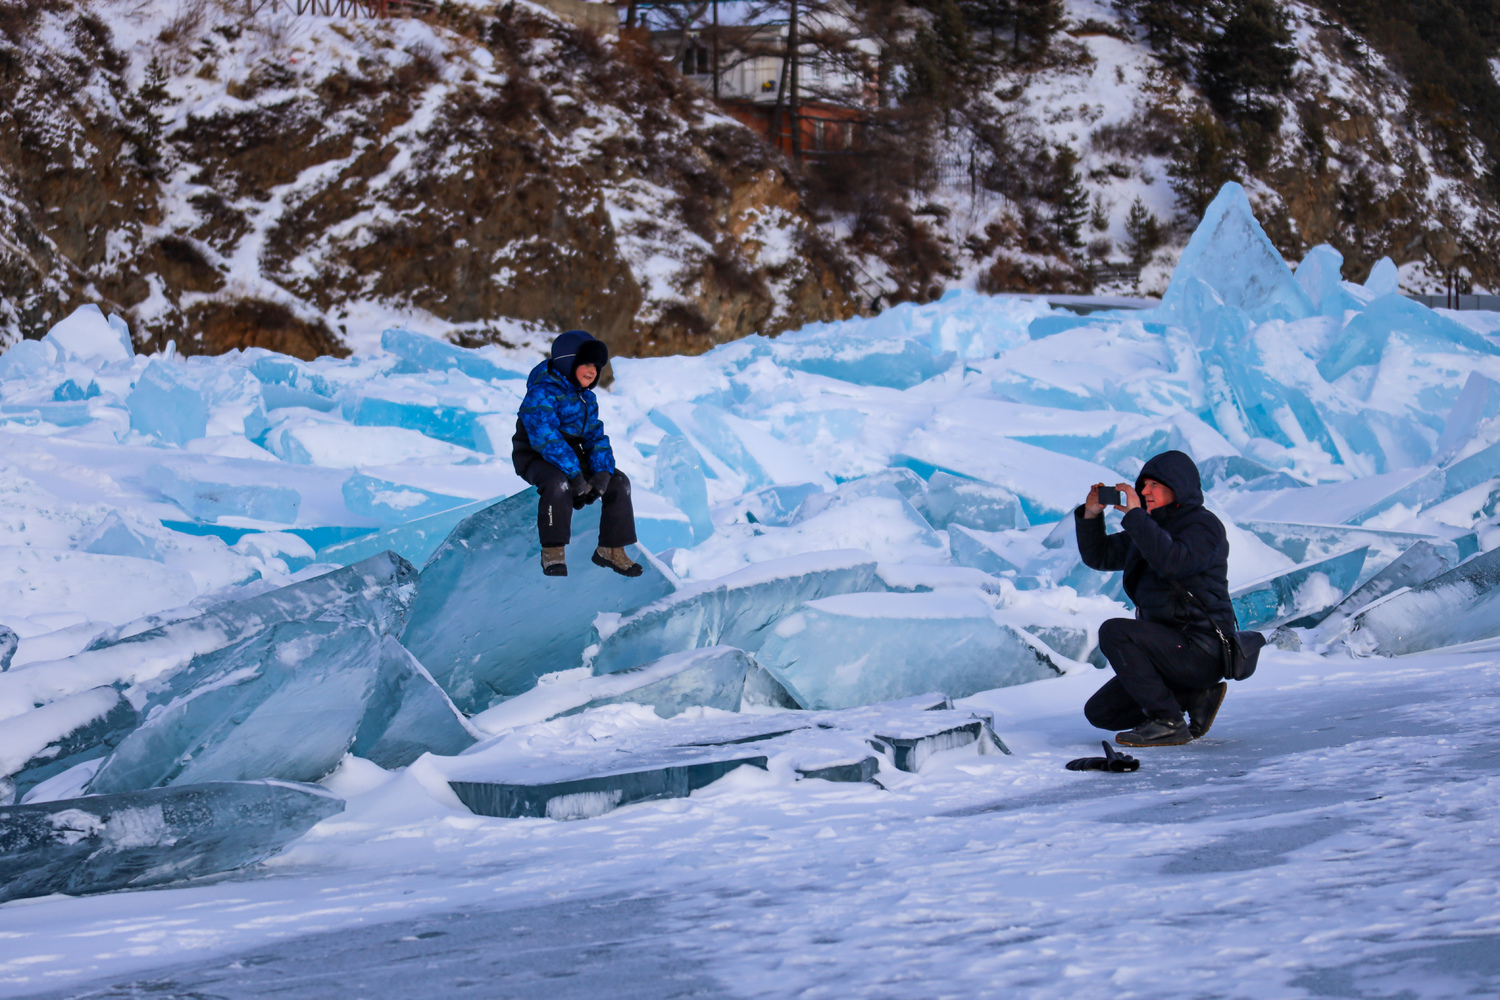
x=1452, y=301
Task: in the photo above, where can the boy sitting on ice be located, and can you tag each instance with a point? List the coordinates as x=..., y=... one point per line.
x=560, y=448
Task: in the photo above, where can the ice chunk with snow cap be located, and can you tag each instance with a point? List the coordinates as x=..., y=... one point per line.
x=1231, y=252
x=9, y=643
x=776, y=505
x=113, y=537
x=736, y=610
x=288, y=382
x=857, y=649
x=1301, y=592
x=1425, y=560
x=377, y=591
x=88, y=337
x=166, y=404
x=28, y=359
x=408, y=714
x=972, y=503
x=136, y=839
x=877, y=355
x=712, y=677
x=679, y=479
x=285, y=703
x=1364, y=339
x=205, y=500
x=48, y=740
x=1461, y=605
x=429, y=353
x=487, y=623
x=394, y=503
x=659, y=526
x=1474, y=412
x=1319, y=274
x=442, y=420
x=1384, y=279
x=415, y=541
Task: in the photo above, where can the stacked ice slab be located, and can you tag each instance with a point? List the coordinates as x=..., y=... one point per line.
x=186, y=744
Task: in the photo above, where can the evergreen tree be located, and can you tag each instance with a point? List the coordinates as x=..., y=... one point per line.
x=1142, y=233
x=1247, y=61
x=1203, y=162
x=1069, y=200
x=940, y=64
x=1035, y=22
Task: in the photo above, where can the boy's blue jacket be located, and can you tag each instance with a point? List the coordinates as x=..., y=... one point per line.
x=558, y=415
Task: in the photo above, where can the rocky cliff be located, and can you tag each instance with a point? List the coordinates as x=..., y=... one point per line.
x=226, y=179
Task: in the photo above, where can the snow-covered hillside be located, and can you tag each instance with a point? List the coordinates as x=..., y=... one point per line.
x=1354, y=162
x=290, y=181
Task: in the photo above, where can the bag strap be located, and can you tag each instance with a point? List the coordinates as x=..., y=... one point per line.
x=1183, y=591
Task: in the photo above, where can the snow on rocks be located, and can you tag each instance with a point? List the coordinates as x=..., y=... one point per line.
x=198, y=552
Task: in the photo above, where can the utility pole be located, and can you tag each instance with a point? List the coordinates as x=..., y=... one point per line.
x=716, y=50
x=794, y=45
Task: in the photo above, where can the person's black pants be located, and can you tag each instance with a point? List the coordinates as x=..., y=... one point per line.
x=1157, y=668
x=554, y=512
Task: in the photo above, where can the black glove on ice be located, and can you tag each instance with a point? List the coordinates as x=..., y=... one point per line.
x=1118, y=763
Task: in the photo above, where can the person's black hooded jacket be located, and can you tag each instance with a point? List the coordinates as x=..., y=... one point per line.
x=1182, y=541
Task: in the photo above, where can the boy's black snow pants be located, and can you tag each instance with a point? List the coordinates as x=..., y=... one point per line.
x=554, y=513
x=1157, y=668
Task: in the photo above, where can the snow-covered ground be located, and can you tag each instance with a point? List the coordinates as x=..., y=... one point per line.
x=1334, y=835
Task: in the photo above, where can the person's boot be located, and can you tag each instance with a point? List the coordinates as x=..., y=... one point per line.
x=553, y=561
x=1163, y=732
x=1203, y=707
x=617, y=560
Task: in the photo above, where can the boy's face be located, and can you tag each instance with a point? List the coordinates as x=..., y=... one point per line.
x=586, y=375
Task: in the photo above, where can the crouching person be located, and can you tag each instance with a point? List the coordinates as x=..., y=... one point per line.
x=1175, y=557
x=561, y=449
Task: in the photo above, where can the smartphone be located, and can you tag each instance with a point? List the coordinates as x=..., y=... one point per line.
x=1111, y=497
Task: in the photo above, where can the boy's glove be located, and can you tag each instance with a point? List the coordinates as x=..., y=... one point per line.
x=1118, y=763
x=599, y=482
x=581, y=489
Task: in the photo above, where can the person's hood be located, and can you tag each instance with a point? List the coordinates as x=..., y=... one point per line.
x=1176, y=470
x=574, y=348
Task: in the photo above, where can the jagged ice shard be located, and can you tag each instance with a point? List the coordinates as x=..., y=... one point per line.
x=487, y=623
x=712, y=677
x=679, y=478
x=376, y=591
x=1232, y=254
x=735, y=610
x=857, y=649
x=135, y=839
x=54, y=737
x=408, y=714
x=1303, y=591
x=285, y=703
x=1462, y=605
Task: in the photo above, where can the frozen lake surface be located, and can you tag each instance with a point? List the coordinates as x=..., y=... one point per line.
x=1335, y=835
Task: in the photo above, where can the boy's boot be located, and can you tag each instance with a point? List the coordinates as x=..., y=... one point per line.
x=617, y=560
x=1203, y=706
x=553, y=561
x=1162, y=732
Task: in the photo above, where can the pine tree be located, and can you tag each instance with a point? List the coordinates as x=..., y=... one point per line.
x=1142, y=233
x=1203, y=162
x=1070, y=201
x=142, y=107
x=1035, y=22
x=1248, y=61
